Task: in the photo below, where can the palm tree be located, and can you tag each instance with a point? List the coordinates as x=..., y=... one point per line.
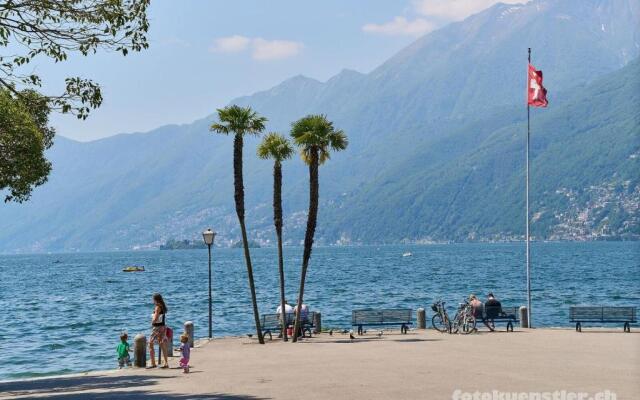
x=241, y=121
x=278, y=148
x=315, y=136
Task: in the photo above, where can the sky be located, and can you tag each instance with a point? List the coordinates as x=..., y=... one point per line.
x=203, y=54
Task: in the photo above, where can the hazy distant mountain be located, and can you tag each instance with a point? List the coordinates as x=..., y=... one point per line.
x=585, y=175
x=436, y=148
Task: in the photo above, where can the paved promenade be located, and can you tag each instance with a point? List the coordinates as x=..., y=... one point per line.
x=419, y=365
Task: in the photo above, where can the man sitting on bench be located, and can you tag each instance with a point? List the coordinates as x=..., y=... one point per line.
x=304, y=317
x=288, y=310
x=492, y=308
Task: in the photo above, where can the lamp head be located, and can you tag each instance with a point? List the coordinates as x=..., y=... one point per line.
x=208, y=236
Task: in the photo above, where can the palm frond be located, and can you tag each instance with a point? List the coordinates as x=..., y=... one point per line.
x=238, y=120
x=219, y=128
x=316, y=133
x=275, y=146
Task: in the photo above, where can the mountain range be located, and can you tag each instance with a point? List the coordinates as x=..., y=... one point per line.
x=436, y=153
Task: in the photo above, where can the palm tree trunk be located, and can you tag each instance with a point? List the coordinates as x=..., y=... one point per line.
x=311, y=230
x=277, y=220
x=239, y=198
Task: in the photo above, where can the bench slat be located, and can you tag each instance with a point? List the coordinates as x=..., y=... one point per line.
x=505, y=313
x=381, y=317
x=510, y=313
x=602, y=314
x=272, y=321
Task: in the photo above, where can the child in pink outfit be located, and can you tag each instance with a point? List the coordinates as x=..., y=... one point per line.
x=185, y=350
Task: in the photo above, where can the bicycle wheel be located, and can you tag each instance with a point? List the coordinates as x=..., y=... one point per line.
x=468, y=324
x=457, y=323
x=439, y=324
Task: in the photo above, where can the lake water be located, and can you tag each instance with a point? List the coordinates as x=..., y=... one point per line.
x=63, y=313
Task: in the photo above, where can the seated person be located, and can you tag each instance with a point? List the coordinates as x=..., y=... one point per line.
x=476, y=305
x=492, y=308
x=304, y=313
x=287, y=308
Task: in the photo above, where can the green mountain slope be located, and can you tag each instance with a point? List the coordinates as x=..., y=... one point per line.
x=585, y=159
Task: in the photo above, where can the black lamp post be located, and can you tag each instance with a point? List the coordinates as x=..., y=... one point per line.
x=208, y=237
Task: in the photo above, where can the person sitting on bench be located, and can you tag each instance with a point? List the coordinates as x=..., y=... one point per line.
x=304, y=315
x=287, y=308
x=492, y=308
x=288, y=311
x=476, y=306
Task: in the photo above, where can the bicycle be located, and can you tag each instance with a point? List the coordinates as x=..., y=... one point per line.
x=440, y=320
x=464, y=322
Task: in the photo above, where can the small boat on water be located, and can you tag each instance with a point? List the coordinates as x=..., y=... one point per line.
x=407, y=254
x=133, y=268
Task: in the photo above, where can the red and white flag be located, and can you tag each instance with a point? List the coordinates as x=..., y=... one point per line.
x=536, y=93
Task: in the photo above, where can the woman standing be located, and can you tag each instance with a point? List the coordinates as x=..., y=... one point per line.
x=158, y=330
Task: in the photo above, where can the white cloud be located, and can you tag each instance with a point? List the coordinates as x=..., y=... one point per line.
x=274, y=49
x=230, y=44
x=455, y=10
x=261, y=49
x=400, y=26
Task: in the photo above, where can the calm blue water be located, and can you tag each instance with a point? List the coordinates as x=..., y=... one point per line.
x=66, y=316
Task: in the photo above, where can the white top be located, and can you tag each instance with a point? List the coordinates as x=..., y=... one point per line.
x=159, y=320
x=305, y=310
x=287, y=309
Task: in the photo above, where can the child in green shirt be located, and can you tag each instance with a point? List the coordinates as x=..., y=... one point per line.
x=123, y=351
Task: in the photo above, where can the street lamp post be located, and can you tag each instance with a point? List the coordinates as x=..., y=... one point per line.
x=208, y=237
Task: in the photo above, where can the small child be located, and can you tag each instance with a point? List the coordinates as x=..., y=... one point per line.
x=123, y=351
x=185, y=350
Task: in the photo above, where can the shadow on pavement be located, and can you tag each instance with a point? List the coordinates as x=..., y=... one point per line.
x=415, y=340
x=118, y=387
x=619, y=331
x=76, y=383
x=144, y=394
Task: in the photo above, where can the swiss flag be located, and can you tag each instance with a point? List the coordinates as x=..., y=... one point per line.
x=536, y=93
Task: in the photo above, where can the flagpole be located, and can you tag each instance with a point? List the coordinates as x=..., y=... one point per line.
x=528, y=256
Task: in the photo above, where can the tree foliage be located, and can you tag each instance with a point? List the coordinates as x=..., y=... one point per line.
x=24, y=136
x=315, y=133
x=239, y=121
x=53, y=29
x=276, y=147
x=57, y=28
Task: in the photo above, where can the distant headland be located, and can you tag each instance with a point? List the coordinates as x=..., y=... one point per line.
x=252, y=244
x=174, y=244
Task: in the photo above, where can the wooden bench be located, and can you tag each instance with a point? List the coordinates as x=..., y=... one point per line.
x=603, y=315
x=271, y=323
x=501, y=314
x=386, y=317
